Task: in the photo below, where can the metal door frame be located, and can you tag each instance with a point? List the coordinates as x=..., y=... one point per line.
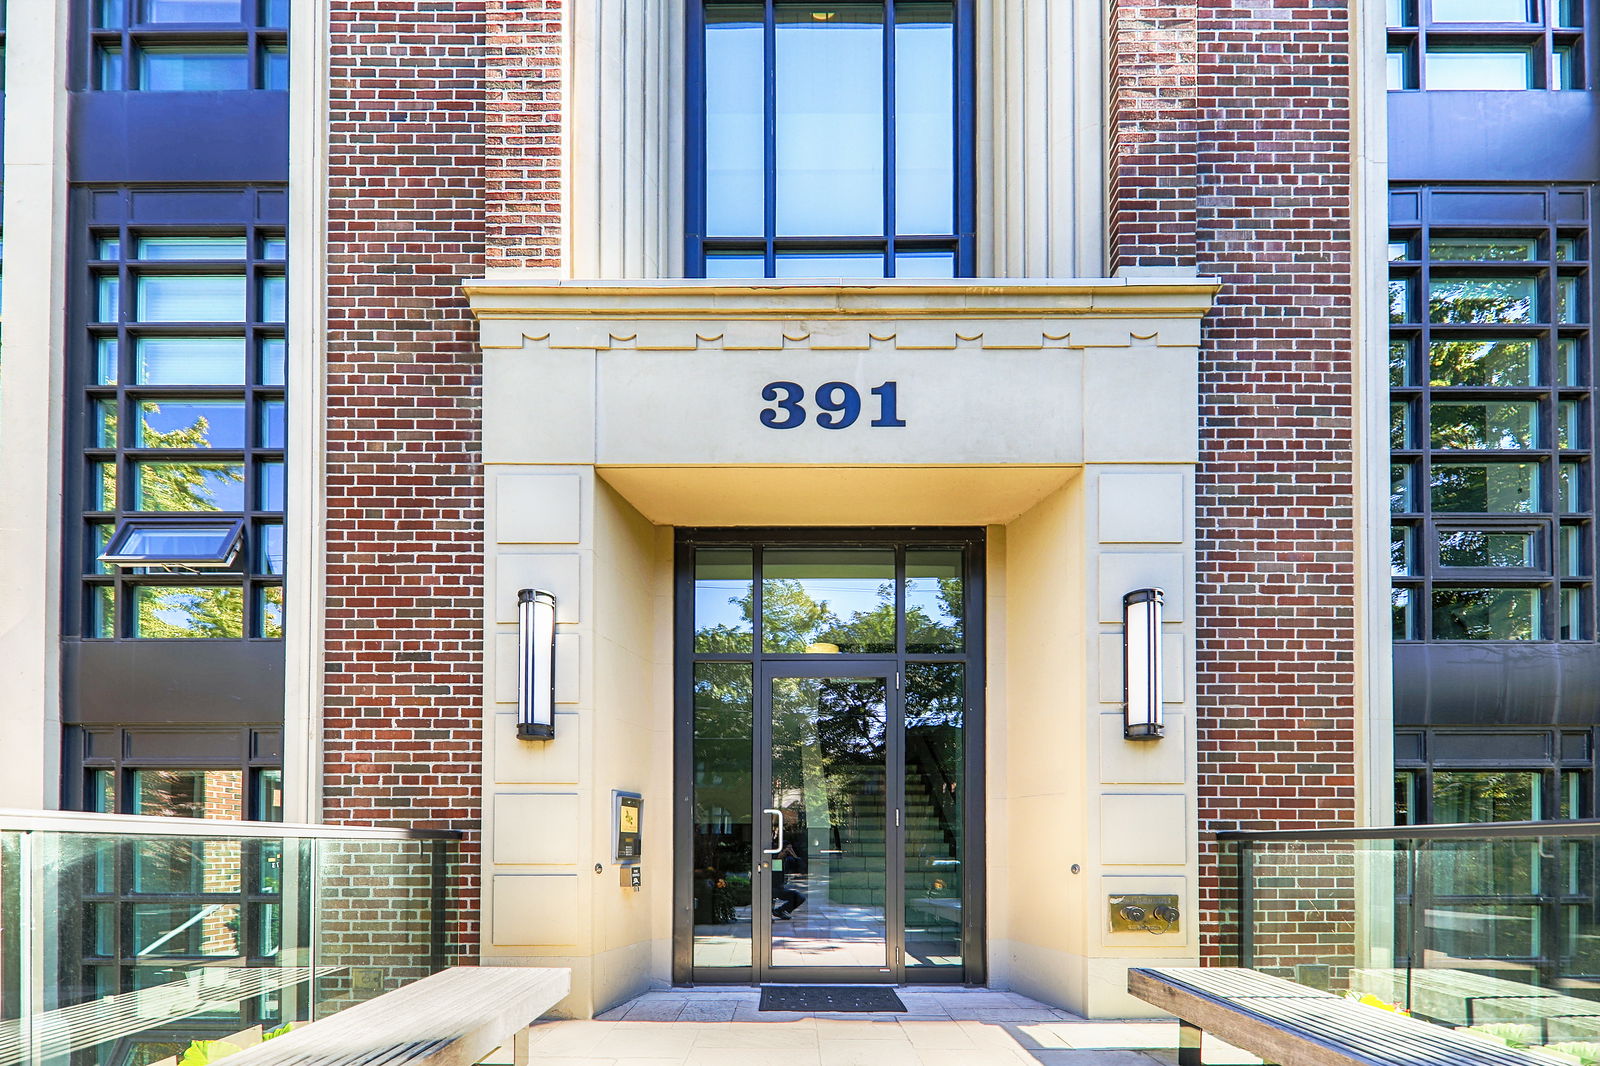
x=973, y=542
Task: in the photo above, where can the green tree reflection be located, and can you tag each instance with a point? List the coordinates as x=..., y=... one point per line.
x=1487, y=363
x=829, y=741
x=793, y=621
x=1481, y=300
x=187, y=611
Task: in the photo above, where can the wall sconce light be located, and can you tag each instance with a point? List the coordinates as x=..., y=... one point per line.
x=536, y=665
x=1141, y=664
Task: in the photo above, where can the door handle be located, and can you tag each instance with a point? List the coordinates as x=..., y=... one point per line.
x=777, y=825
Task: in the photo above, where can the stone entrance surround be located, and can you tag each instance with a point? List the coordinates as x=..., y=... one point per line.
x=1061, y=416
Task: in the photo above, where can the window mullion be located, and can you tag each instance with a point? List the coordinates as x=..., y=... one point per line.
x=769, y=127
x=889, y=225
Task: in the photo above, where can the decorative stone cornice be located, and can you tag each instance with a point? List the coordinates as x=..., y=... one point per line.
x=506, y=296
x=688, y=315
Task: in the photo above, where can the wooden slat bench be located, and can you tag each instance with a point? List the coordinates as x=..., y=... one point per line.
x=453, y=1018
x=1293, y=1025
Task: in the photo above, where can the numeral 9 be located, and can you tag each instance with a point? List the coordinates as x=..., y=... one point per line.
x=840, y=403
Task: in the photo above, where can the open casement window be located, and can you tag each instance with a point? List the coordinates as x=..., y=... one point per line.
x=174, y=542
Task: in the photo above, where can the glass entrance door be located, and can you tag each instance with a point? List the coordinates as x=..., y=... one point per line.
x=833, y=734
x=829, y=756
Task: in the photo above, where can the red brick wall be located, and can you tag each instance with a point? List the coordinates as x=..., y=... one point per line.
x=1275, y=583
x=524, y=133
x=403, y=685
x=1151, y=134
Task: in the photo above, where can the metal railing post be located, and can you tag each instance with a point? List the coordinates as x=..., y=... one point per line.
x=438, y=905
x=1247, y=938
x=31, y=940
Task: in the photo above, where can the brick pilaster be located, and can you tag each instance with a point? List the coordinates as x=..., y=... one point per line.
x=1276, y=543
x=523, y=127
x=1152, y=136
x=404, y=492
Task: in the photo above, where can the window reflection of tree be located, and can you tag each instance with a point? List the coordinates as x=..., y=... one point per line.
x=192, y=484
x=1485, y=614
x=723, y=739
x=1475, y=300
x=1506, y=363
x=1483, y=487
x=1483, y=424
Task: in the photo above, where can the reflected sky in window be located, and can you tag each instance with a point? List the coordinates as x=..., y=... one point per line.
x=830, y=127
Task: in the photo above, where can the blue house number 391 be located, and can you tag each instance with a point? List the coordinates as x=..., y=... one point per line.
x=838, y=405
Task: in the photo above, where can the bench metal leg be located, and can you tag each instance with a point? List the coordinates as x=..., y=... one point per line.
x=1188, y=1043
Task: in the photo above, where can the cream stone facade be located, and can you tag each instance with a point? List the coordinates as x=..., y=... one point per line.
x=1060, y=416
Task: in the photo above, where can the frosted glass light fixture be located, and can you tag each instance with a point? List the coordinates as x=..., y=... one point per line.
x=536, y=665
x=1141, y=664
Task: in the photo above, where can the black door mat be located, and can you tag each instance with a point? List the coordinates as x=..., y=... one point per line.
x=846, y=998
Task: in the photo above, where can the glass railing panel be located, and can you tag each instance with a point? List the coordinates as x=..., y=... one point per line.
x=1310, y=913
x=371, y=942
x=120, y=949
x=1496, y=931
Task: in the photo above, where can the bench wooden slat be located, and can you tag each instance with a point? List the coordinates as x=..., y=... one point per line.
x=1297, y=1026
x=453, y=1018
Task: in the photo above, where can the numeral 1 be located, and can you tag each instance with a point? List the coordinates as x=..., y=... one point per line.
x=888, y=399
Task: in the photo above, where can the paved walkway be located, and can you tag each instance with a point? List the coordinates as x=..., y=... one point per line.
x=941, y=1027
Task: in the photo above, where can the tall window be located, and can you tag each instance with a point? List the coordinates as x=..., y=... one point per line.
x=189, y=45
x=830, y=140
x=1491, y=414
x=154, y=909
x=1486, y=44
x=183, y=485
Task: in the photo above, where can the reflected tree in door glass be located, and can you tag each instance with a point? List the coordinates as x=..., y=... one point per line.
x=723, y=600
x=935, y=604
x=724, y=719
x=829, y=779
x=838, y=600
